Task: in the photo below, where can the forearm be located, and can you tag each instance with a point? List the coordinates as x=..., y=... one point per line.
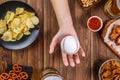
x=62, y=12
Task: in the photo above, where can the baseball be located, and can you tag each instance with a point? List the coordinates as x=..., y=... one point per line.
x=70, y=45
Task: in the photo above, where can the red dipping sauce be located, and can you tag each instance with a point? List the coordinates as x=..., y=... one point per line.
x=94, y=23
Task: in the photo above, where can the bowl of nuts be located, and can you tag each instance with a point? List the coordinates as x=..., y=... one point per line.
x=88, y=3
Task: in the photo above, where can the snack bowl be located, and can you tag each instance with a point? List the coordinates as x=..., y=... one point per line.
x=26, y=40
x=16, y=71
x=94, y=23
x=107, y=69
x=89, y=3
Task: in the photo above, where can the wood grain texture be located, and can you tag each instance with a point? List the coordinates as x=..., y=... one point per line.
x=37, y=54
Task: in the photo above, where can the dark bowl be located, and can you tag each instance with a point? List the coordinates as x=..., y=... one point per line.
x=26, y=40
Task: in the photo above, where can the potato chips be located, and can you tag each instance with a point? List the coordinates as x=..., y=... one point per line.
x=17, y=24
x=110, y=70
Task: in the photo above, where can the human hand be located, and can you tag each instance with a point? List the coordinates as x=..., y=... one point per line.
x=63, y=31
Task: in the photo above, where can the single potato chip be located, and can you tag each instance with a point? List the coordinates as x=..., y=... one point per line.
x=116, y=71
x=117, y=77
x=19, y=11
x=16, y=22
x=27, y=33
x=9, y=16
x=106, y=74
x=116, y=63
x=14, y=35
x=3, y=27
x=19, y=36
x=29, y=23
x=7, y=36
x=23, y=18
x=35, y=20
x=107, y=66
x=30, y=14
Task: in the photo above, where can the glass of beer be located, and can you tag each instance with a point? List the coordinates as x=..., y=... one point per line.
x=50, y=74
x=112, y=8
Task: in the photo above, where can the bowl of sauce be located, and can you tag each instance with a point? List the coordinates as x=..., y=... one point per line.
x=94, y=23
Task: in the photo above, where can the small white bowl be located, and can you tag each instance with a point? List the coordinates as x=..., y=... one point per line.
x=99, y=75
x=99, y=27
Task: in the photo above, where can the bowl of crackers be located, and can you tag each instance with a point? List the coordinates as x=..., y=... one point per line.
x=110, y=70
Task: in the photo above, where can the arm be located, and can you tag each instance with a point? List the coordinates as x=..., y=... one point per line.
x=62, y=12
x=65, y=22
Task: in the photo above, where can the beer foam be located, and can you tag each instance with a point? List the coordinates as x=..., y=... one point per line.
x=52, y=78
x=118, y=4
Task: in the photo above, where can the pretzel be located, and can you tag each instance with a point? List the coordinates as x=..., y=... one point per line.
x=17, y=68
x=19, y=78
x=11, y=72
x=15, y=65
x=23, y=75
x=14, y=76
x=4, y=76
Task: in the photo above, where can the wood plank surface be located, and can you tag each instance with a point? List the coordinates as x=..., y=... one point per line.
x=37, y=55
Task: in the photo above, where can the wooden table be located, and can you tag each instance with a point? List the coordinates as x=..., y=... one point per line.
x=37, y=54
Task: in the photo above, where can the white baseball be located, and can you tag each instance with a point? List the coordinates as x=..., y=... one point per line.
x=70, y=45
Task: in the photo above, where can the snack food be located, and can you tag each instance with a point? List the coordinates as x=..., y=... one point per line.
x=117, y=41
x=17, y=24
x=4, y=76
x=113, y=34
x=110, y=36
x=110, y=70
x=88, y=3
x=16, y=68
x=23, y=75
x=15, y=74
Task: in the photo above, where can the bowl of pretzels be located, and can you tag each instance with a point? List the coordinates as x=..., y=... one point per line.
x=16, y=72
